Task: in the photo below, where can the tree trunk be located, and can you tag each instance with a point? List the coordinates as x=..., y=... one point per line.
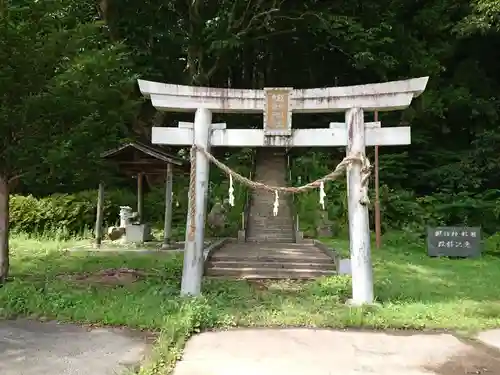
x=4, y=229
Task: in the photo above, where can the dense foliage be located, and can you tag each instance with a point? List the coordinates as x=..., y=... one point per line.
x=65, y=214
x=68, y=70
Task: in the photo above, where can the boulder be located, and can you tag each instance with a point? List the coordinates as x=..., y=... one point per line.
x=217, y=217
x=115, y=233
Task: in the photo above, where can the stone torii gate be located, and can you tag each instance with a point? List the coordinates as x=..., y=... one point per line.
x=278, y=104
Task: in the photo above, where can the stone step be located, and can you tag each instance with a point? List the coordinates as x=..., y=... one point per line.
x=268, y=202
x=260, y=249
x=266, y=209
x=267, y=167
x=270, y=195
x=270, y=160
x=278, y=234
x=268, y=273
x=306, y=245
x=272, y=175
x=278, y=219
x=271, y=264
x=261, y=260
x=276, y=230
x=271, y=179
x=270, y=230
x=275, y=220
x=295, y=253
x=268, y=206
x=291, y=246
x=272, y=256
x=263, y=239
x=262, y=224
x=326, y=263
x=281, y=259
x=265, y=213
x=270, y=239
x=264, y=199
x=269, y=199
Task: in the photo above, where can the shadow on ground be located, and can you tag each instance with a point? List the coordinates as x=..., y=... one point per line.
x=478, y=359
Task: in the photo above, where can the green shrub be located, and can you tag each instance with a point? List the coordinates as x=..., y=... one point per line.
x=491, y=244
x=76, y=213
x=73, y=213
x=401, y=209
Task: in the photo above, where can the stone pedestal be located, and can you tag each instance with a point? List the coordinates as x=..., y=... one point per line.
x=241, y=236
x=137, y=233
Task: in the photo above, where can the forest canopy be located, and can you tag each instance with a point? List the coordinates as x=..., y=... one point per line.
x=69, y=70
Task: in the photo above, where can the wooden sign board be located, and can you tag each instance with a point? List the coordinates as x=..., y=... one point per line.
x=454, y=241
x=277, y=111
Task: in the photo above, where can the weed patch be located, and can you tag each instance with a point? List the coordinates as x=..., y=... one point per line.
x=142, y=291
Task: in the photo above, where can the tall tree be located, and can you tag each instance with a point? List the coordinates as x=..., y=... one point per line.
x=63, y=90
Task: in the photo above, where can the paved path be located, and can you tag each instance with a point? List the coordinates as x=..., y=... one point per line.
x=35, y=348
x=326, y=352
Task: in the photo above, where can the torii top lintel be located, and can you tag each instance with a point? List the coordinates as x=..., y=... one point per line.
x=387, y=96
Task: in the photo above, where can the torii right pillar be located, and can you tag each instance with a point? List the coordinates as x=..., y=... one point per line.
x=359, y=226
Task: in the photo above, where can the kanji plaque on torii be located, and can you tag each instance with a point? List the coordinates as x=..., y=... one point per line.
x=277, y=111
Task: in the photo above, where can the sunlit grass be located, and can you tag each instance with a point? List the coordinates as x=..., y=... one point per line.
x=412, y=290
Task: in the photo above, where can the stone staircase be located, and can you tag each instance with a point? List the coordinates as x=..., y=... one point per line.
x=270, y=250
x=263, y=226
x=269, y=261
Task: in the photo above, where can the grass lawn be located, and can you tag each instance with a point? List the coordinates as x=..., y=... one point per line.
x=414, y=291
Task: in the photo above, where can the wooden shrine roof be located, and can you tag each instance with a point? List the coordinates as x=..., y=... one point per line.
x=137, y=157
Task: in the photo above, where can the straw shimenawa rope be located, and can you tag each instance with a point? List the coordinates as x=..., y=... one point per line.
x=339, y=171
x=192, y=196
x=336, y=173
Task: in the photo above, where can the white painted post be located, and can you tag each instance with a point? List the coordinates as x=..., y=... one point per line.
x=193, y=250
x=167, y=228
x=359, y=230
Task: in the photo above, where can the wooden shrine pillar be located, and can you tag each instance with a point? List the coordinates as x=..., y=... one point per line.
x=167, y=228
x=100, y=216
x=140, y=197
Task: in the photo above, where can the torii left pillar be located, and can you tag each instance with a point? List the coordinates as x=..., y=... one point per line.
x=192, y=272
